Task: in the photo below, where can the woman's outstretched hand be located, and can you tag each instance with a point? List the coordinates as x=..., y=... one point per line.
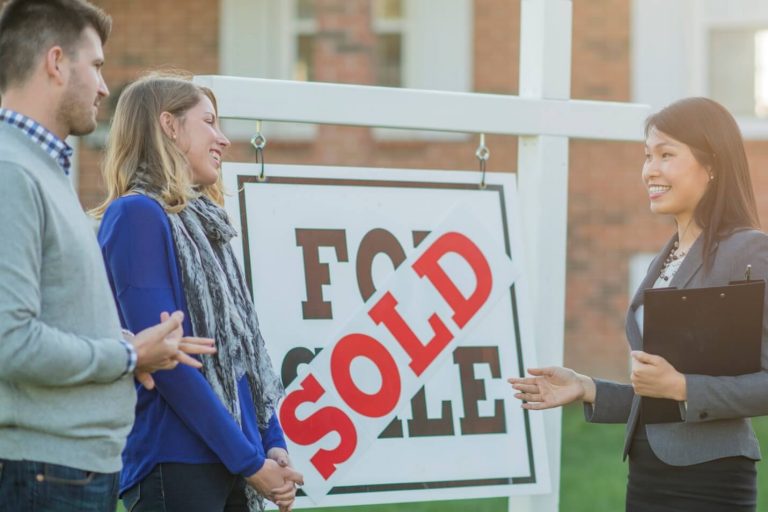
x=553, y=386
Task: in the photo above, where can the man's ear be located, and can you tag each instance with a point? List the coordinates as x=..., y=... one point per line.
x=169, y=124
x=54, y=64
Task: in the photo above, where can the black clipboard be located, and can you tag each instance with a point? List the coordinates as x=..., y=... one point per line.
x=705, y=331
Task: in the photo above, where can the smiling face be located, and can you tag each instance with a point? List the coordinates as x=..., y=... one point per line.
x=85, y=86
x=675, y=180
x=201, y=140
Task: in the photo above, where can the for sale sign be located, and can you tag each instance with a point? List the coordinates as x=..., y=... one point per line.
x=393, y=305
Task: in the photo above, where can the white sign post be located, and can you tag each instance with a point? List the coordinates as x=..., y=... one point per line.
x=545, y=72
x=542, y=116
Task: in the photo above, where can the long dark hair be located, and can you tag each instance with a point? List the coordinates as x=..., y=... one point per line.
x=713, y=136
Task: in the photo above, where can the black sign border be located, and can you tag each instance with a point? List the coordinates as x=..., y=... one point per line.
x=243, y=180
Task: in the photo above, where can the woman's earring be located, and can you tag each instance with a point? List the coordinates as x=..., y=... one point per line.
x=711, y=176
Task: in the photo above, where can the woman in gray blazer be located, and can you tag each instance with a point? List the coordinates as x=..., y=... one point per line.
x=696, y=171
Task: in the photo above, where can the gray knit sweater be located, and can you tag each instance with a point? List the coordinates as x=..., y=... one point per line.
x=64, y=395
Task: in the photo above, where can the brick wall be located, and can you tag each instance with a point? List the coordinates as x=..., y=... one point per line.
x=609, y=219
x=150, y=34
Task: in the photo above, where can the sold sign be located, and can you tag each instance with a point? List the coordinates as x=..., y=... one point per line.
x=353, y=389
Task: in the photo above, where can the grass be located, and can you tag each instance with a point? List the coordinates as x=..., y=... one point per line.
x=593, y=477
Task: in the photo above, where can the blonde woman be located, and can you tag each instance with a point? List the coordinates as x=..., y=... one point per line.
x=203, y=440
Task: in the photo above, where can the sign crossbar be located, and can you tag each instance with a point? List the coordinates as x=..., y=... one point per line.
x=413, y=109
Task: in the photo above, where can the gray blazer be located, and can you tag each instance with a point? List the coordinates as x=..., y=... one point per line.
x=716, y=419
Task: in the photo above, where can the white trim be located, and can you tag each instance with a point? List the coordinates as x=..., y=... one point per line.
x=660, y=64
x=753, y=128
x=712, y=16
x=389, y=26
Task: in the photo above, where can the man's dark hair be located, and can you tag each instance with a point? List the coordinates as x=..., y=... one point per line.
x=30, y=27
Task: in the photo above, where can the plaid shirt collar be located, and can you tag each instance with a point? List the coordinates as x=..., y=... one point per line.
x=51, y=144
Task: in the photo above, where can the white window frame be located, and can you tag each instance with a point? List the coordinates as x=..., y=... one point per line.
x=297, y=27
x=269, y=28
x=396, y=26
x=670, y=49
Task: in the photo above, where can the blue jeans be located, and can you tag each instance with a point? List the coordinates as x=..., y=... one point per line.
x=27, y=486
x=174, y=487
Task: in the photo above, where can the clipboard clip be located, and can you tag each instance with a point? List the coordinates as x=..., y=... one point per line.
x=748, y=273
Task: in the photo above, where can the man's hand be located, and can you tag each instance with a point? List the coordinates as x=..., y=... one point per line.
x=162, y=347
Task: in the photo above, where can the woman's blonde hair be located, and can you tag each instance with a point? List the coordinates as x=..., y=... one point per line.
x=140, y=154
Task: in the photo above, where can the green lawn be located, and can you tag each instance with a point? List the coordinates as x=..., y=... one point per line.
x=593, y=475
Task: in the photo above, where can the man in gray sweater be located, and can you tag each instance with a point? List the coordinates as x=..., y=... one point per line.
x=66, y=388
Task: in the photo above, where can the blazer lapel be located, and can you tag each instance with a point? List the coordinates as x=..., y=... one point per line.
x=632, y=328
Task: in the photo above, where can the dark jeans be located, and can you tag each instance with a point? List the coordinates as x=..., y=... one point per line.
x=173, y=487
x=27, y=486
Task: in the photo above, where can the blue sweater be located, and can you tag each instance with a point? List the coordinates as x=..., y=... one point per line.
x=182, y=419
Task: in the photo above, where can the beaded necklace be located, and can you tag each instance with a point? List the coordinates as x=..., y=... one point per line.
x=675, y=257
x=671, y=263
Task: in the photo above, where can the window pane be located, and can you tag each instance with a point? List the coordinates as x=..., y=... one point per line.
x=304, y=67
x=732, y=69
x=305, y=9
x=388, y=9
x=389, y=60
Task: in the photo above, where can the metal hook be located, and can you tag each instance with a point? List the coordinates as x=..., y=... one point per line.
x=259, y=141
x=483, y=154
